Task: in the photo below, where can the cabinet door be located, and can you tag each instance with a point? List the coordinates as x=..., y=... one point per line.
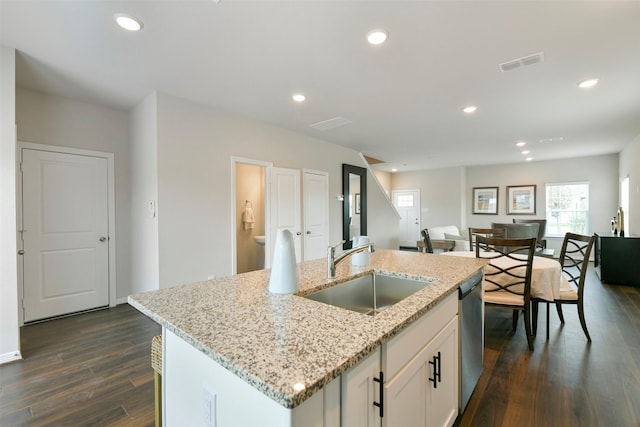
x=405, y=394
x=413, y=399
x=360, y=391
x=442, y=401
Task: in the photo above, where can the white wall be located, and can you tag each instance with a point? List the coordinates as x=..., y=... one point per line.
x=54, y=120
x=145, y=269
x=195, y=145
x=441, y=197
x=600, y=171
x=630, y=166
x=9, y=322
x=446, y=193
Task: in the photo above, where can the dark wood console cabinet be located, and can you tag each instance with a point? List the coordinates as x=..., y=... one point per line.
x=617, y=259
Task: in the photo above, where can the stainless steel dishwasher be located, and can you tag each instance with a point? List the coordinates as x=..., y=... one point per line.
x=471, y=336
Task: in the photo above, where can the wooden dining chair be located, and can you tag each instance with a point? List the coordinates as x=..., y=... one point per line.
x=507, y=277
x=574, y=260
x=499, y=233
x=428, y=247
x=542, y=229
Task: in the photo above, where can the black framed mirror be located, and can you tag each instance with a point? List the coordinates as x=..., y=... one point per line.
x=354, y=212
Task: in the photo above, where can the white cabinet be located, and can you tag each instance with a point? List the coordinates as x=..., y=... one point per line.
x=425, y=392
x=360, y=389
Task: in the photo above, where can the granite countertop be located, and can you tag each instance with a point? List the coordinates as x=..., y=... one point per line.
x=289, y=347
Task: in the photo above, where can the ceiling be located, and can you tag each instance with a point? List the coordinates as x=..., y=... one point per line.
x=403, y=98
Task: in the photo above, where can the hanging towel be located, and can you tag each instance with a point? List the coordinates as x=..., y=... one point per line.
x=247, y=217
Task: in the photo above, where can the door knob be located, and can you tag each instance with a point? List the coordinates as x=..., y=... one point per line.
x=102, y=239
x=298, y=233
x=20, y=252
x=308, y=231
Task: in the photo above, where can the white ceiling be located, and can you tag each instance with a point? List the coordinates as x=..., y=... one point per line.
x=404, y=98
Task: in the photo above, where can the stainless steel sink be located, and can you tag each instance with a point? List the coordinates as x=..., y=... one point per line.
x=369, y=294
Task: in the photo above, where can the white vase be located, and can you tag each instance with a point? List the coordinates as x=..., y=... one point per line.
x=361, y=258
x=284, y=270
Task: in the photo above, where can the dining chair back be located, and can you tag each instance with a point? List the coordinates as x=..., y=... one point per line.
x=507, y=277
x=499, y=233
x=574, y=260
x=428, y=247
x=542, y=229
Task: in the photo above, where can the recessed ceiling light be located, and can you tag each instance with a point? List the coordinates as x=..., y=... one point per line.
x=470, y=109
x=298, y=97
x=394, y=170
x=528, y=159
x=585, y=84
x=520, y=144
x=377, y=36
x=128, y=22
x=526, y=152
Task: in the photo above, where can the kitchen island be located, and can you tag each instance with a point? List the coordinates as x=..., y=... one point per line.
x=275, y=353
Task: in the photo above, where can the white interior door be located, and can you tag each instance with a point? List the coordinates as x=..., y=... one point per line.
x=316, y=214
x=65, y=233
x=285, y=207
x=407, y=203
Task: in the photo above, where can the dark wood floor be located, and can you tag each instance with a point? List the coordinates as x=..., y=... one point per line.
x=94, y=369
x=565, y=381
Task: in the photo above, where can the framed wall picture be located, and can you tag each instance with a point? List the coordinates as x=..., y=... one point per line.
x=485, y=200
x=357, y=203
x=521, y=200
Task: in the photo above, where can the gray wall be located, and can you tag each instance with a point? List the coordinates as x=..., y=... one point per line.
x=195, y=146
x=441, y=193
x=601, y=172
x=9, y=332
x=446, y=193
x=54, y=120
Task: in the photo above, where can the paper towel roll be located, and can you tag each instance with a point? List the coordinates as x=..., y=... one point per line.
x=361, y=258
x=284, y=270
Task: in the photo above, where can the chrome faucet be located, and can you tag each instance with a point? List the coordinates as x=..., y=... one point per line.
x=332, y=261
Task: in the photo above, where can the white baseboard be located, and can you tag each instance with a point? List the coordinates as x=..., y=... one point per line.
x=124, y=300
x=10, y=357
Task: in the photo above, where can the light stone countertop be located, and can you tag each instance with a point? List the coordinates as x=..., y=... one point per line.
x=274, y=341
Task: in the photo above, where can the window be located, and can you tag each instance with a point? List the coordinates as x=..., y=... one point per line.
x=405, y=201
x=567, y=208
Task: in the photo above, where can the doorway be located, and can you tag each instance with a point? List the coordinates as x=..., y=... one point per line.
x=407, y=203
x=67, y=231
x=249, y=194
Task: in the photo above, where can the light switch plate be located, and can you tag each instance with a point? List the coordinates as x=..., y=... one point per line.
x=151, y=208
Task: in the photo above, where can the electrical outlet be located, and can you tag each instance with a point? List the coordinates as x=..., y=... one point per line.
x=208, y=407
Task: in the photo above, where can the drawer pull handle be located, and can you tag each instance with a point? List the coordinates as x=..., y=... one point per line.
x=381, y=404
x=437, y=370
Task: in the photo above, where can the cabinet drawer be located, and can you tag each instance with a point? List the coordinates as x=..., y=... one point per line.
x=402, y=348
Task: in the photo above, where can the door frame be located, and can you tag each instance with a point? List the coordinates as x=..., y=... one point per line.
x=232, y=203
x=111, y=197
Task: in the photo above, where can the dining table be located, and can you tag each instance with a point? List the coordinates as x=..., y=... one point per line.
x=546, y=273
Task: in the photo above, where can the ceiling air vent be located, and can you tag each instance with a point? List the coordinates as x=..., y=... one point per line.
x=331, y=123
x=522, y=62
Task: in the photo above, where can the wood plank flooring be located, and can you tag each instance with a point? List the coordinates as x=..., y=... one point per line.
x=565, y=381
x=94, y=369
